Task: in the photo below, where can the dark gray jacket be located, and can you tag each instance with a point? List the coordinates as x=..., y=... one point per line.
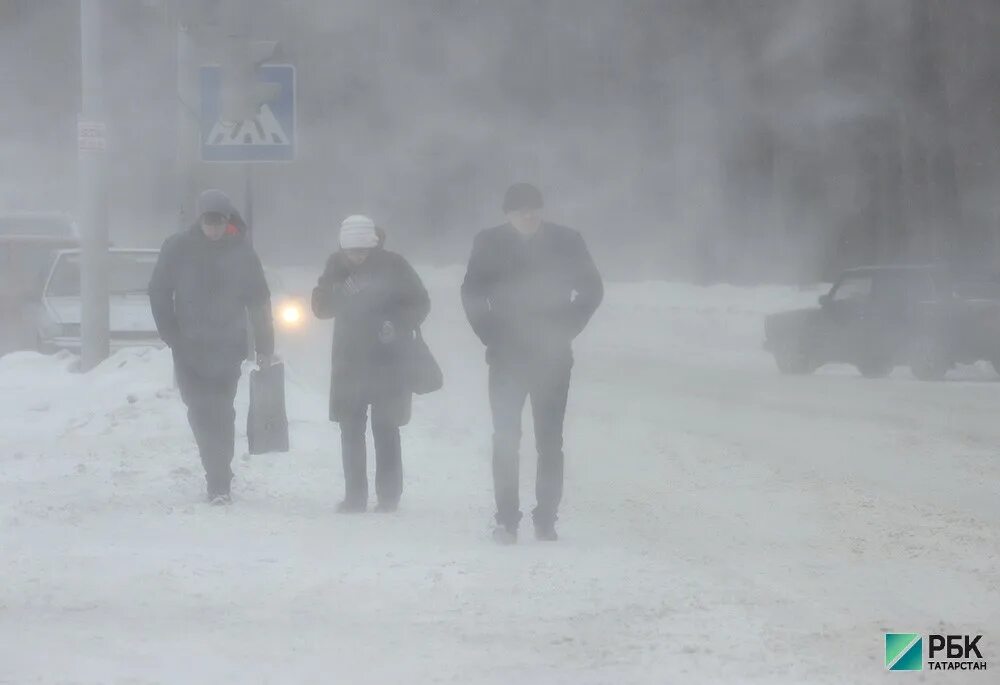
x=528, y=297
x=200, y=294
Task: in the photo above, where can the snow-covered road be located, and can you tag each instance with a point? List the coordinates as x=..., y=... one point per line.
x=722, y=524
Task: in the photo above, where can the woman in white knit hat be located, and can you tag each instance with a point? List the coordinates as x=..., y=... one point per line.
x=378, y=302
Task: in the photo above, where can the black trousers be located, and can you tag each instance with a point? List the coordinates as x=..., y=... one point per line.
x=548, y=388
x=388, y=454
x=212, y=418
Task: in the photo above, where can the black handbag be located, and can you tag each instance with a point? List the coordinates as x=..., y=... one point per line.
x=425, y=375
x=267, y=422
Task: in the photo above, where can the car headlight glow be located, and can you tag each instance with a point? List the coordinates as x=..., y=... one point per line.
x=290, y=314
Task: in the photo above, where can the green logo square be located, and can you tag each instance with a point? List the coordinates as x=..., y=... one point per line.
x=904, y=652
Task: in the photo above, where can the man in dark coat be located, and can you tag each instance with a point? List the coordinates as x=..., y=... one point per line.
x=530, y=289
x=205, y=282
x=377, y=301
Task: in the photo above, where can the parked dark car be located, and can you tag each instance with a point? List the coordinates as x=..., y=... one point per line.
x=877, y=318
x=29, y=241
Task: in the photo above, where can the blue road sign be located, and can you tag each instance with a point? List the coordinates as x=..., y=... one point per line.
x=268, y=138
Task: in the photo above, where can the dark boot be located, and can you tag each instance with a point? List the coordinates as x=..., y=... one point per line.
x=217, y=486
x=545, y=531
x=220, y=500
x=349, y=507
x=505, y=535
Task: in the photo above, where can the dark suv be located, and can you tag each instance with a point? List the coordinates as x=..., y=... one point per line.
x=879, y=317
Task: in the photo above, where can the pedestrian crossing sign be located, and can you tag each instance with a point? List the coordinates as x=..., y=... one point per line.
x=268, y=137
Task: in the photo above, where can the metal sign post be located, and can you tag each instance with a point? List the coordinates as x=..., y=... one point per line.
x=93, y=202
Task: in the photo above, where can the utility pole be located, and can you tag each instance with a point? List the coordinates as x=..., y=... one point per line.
x=93, y=191
x=187, y=123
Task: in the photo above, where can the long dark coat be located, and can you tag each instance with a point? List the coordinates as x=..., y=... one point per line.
x=367, y=368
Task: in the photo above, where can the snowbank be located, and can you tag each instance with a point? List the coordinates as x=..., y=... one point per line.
x=44, y=396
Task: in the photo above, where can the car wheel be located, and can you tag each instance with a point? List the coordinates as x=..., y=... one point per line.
x=928, y=361
x=875, y=367
x=43, y=347
x=792, y=358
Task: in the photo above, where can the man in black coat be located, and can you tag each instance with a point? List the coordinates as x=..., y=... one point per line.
x=530, y=289
x=205, y=282
x=377, y=301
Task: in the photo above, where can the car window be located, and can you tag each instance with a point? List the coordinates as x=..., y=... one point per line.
x=129, y=273
x=891, y=289
x=896, y=289
x=853, y=288
x=65, y=281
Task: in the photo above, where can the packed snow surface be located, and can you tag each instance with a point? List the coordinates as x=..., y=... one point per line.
x=722, y=523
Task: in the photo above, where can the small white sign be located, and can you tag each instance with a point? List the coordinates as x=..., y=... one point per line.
x=91, y=136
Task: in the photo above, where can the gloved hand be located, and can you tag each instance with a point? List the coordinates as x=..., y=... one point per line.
x=337, y=270
x=388, y=333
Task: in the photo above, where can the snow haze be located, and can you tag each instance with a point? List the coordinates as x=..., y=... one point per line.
x=722, y=522
x=687, y=140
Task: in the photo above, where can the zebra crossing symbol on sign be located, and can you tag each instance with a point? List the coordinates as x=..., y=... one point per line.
x=268, y=137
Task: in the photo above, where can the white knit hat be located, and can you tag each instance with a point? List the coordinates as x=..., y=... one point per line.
x=358, y=233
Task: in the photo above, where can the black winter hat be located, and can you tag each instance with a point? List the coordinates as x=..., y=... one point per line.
x=215, y=201
x=522, y=196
